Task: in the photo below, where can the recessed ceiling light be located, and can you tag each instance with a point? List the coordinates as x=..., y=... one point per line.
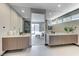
x=59, y=5
x=22, y=11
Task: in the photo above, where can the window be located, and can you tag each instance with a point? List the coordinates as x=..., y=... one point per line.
x=54, y=22
x=67, y=19
x=59, y=21
x=75, y=17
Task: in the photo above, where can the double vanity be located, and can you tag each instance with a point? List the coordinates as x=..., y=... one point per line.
x=14, y=42
x=62, y=38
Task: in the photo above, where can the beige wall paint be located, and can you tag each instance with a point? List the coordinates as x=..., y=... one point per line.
x=10, y=19
x=60, y=27
x=4, y=18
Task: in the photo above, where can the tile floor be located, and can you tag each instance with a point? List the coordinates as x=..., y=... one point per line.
x=37, y=40
x=41, y=50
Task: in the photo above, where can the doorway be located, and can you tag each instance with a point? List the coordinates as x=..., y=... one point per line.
x=38, y=29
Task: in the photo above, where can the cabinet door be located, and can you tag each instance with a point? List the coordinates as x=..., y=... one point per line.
x=55, y=40
x=62, y=39
x=9, y=43
x=22, y=42
x=15, y=43
x=70, y=39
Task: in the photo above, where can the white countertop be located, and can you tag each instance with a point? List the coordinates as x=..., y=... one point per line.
x=26, y=35
x=62, y=34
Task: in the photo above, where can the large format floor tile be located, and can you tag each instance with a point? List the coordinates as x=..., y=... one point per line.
x=41, y=50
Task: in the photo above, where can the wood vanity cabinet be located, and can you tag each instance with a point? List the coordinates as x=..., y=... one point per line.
x=62, y=39
x=13, y=43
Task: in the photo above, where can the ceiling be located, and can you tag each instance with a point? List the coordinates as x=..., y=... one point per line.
x=53, y=10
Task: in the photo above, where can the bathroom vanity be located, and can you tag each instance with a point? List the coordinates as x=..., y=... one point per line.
x=62, y=38
x=16, y=42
